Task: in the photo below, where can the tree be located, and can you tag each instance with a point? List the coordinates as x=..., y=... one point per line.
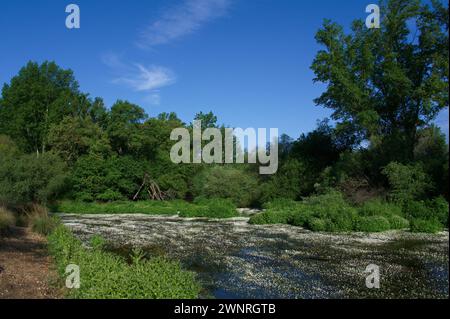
x=37, y=97
x=74, y=137
x=124, y=127
x=389, y=81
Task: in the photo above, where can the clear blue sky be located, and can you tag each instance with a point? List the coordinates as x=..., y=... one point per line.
x=248, y=61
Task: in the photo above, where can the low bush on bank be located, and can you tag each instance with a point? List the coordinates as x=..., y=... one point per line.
x=419, y=225
x=213, y=208
x=38, y=218
x=332, y=213
x=104, y=275
x=7, y=220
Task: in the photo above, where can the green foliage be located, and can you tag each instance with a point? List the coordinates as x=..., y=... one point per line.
x=31, y=178
x=379, y=82
x=398, y=222
x=439, y=210
x=328, y=212
x=106, y=179
x=272, y=217
x=378, y=207
x=37, y=97
x=124, y=129
x=372, y=224
x=107, y=276
x=213, y=208
x=419, y=225
x=408, y=182
x=38, y=218
x=74, y=137
x=44, y=225
x=123, y=207
x=436, y=210
x=287, y=183
x=227, y=182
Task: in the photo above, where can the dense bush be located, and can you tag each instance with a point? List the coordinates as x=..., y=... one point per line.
x=439, y=210
x=212, y=208
x=31, y=178
x=107, y=276
x=436, y=209
x=272, y=217
x=227, y=182
x=398, y=222
x=106, y=179
x=419, y=225
x=328, y=212
x=378, y=207
x=372, y=224
x=407, y=182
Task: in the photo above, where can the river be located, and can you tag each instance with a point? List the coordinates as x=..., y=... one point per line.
x=234, y=259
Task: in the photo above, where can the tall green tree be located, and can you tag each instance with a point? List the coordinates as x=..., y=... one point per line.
x=37, y=97
x=124, y=127
x=387, y=83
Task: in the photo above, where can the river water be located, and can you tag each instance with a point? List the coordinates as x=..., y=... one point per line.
x=234, y=259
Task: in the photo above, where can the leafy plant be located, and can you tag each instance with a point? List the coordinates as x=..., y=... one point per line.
x=108, y=276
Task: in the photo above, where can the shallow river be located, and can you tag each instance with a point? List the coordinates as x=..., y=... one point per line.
x=236, y=260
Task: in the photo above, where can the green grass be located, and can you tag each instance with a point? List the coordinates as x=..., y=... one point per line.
x=104, y=275
x=213, y=208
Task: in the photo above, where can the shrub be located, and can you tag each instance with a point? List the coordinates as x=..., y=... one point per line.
x=334, y=210
x=39, y=220
x=327, y=212
x=108, y=276
x=212, y=208
x=398, y=222
x=379, y=208
x=408, y=182
x=271, y=217
x=28, y=178
x=280, y=203
x=439, y=210
x=372, y=224
x=317, y=224
x=7, y=219
x=419, y=225
x=227, y=182
x=44, y=225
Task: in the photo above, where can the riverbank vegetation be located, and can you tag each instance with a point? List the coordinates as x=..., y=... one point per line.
x=213, y=208
x=108, y=276
x=379, y=163
x=330, y=212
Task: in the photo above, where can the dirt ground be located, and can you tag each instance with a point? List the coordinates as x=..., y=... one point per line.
x=25, y=267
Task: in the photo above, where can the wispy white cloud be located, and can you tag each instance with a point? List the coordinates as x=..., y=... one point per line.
x=140, y=78
x=147, y=78
x=183, y=19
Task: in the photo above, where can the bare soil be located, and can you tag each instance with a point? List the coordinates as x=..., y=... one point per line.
x=25, y=267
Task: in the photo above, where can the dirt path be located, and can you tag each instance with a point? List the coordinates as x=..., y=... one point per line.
x=25, y=267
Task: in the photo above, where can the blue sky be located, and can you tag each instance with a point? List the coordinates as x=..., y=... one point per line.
x=247, y=61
